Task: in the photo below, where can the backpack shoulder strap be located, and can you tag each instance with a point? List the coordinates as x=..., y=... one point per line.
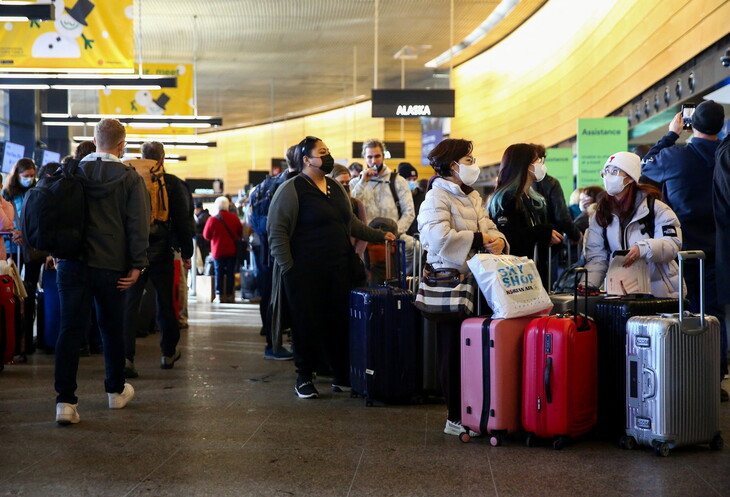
x=223, y=222
x=393, y=177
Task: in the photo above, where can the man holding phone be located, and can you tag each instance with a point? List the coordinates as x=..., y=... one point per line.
x=686, y=175
x=385, y=193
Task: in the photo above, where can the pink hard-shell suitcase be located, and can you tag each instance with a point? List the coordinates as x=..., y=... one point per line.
x=491, y=376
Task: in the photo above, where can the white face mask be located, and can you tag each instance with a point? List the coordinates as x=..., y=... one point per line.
x=469, y=174
x=614, y=184
x=540, y=170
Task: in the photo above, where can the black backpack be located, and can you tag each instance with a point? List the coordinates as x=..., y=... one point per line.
x=54, y=213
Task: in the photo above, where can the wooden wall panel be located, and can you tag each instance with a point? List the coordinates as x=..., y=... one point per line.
x=241, y=150
x=576, y=59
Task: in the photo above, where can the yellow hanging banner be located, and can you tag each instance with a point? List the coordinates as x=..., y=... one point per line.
x=96, y=35
x=164, y=102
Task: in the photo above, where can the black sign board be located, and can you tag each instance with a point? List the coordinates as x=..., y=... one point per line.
x=256, y=177
x=278, y=166
x=413, y=103
x=397, y=150
x=205, y=186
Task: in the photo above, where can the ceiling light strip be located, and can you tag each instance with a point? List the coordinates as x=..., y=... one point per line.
x=497, y=15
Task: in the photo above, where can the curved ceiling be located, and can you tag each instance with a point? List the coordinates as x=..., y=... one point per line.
x=266, y=59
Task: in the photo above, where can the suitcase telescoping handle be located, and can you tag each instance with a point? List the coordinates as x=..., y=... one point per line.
x=400, y=254
x=10, y=234
x=586, y=326
x=417, y=263
x=683, y=256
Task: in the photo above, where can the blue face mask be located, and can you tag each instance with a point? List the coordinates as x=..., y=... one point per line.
x=25, y=182
x=413, y=184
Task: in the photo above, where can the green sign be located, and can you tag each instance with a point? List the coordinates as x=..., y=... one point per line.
x=598, y=139
x=559, y=162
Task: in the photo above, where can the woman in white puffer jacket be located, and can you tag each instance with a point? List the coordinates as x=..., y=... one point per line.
x=621, y=222
x=453, y=226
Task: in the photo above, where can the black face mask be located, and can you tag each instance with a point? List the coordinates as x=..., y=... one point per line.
x=328, y=164
x=347, y=188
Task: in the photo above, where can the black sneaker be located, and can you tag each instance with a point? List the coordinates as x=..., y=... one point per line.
x=305, y=389
x=341, y=386
x=167, y=362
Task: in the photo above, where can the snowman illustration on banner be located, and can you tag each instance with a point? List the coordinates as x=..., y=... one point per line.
x=154, y=106
x=69, y=24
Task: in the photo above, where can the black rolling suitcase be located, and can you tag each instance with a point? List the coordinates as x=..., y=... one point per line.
x=611, y=315
x=383, y=342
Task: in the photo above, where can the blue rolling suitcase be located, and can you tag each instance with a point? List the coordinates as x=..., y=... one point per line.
x=49, y=311
x=383, y=342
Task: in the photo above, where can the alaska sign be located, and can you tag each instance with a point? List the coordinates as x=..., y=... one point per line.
x=413, y=103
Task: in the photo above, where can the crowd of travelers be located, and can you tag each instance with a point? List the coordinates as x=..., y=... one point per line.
x=308, y=229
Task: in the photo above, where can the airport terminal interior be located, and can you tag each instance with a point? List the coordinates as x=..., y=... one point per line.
x=227, y=86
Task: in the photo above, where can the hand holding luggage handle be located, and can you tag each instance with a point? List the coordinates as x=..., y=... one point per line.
x=683, y=256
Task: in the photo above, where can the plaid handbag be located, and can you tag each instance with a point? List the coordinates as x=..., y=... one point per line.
x=445, y=294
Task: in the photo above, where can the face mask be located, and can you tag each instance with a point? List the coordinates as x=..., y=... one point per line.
x=347, y=188
x=614, y=184
x=378, y=167
x=413, y=185
x=540, y=171
x=328, y=164
x=469, y=174
x=26, y=182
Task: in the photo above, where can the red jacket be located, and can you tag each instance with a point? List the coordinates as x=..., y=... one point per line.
x=221, y=243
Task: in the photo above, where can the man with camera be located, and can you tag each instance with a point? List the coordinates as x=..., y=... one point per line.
x=384, y=192
x=685, y=172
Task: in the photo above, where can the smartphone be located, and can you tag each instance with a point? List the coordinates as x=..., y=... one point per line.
x=687, y=111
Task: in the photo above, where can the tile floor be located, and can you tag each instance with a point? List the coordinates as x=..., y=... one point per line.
x=226, y=422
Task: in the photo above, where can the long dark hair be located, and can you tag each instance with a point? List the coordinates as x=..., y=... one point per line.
x=13, y=188
x=624, y=207
x=304, y=148
x=513, y=176
x=446, y=153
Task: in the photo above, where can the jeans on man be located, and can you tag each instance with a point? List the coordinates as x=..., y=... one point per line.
x=162, y=276
x=225, y=275
x=79, y=286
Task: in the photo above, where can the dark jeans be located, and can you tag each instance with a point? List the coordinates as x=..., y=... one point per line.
x=162, y=276
x=264, y=278
x=318, y=303
x=448, y=362
x=712, y=306
x=225, y=275
x=78, y=286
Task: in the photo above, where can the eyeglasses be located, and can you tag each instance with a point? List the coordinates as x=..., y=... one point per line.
x=614, y=171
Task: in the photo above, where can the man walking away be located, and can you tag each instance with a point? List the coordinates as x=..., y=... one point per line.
x=113, y=255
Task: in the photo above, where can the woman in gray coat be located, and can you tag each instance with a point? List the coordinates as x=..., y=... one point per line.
x=310, y=223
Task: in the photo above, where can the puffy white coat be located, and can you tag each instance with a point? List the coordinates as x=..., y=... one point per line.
x=659, y=251
x=447, y=222
x=378, y=198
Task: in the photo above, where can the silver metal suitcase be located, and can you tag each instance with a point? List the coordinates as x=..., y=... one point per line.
x=673, y=377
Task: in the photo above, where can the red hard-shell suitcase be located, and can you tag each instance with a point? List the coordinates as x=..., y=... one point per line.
x=7, y=320
x=491, y=376
x=559, y=378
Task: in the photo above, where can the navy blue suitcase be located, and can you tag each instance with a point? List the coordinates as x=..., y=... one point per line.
x=611, y=316
x=49, y=311
x=383, y=342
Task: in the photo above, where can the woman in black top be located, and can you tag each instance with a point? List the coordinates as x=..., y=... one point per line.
x=520, y=211
x=310, y=223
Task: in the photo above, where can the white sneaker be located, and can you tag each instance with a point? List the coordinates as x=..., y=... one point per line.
x=119, y=400
x=455, y=428
x=66, y=413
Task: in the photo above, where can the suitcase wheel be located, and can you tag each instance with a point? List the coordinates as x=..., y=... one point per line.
x=717, y=443
x=464, y=437
x=628, y=443
x=559, y=443
x=661, y=449
x=530, y=440
x=495, y=440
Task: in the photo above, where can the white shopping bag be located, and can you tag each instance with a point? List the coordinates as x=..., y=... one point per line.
x=511, y=285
